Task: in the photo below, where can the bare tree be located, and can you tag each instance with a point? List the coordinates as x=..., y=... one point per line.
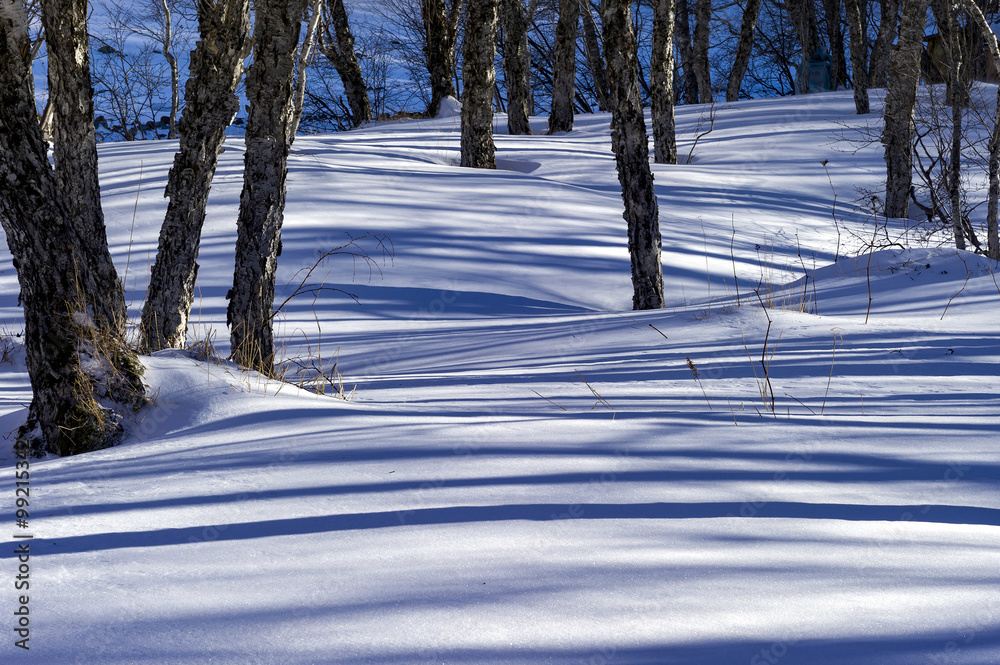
x=878, y=66
x=211, y=104
x=901, y=95
x=440, y=18
x=700, y=52
x=630, y=144
x=517, y=66
x=564, y=67
x=682, y=34
x=803, y=14
x=313, y=13
x=82, y=375
x=592, y=49
x=262, y=202
x=338, y=47
x=859, y=52
x=479, y=76
x=744, y=48
x=661, y=74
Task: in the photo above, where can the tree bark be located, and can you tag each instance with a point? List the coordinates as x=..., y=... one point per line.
x=338, y=47
x=859, y=49
x=956, y=99
x=301, y=63
x=210, y=106
x=592, y=48
x=682, y=33
x=441, y=32
x=744, y=49
x=901, y=95
x=74, y=150
x=517, y=67
x=564, y=67
x=803, y=14
x=479, y=76
x=878, y=68
x=835, y=37
x=630, y=144
x=73, y=364
x=702, y=32
x=661, y=75
x=262, y=202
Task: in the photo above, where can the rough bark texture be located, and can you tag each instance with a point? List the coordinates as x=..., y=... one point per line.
x=479, y=78
x=661, y=75
x=262, y=202
x=564, y=67
x=629, y=141
x=71, y=363
x=878, y=68
x=835, y=38
x=441, y=31
x=75, y=149
x=338, y=47
x=803, y=14
x=302, y=59
x=175, y=93
x=210, y=105
x=744, y=49
x=702, y=32
x=955, y=98
x=859, y=50
x=901, y=95
x=517, y=67
x=682, y=34
x=595, y=61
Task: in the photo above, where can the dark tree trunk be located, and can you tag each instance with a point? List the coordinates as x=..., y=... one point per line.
x=744, y=48
x=262, y=202
x=564, y=67
x=956, y=99
x=73, y=364
x=441, y=33
x=682, y=33
x=803, y=14
x=517, y=67
x=629, y=141
x=479, y=76
x=859, y=50
x=74, y=150
x=901, y=96
x=210, y=105
x=702, y=32
x=338, y=47
x=835, y=37
x=661, y=75
x=592, y=47
x=878, y=68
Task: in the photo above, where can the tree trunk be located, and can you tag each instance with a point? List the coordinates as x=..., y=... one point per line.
x=803, y=14
x=74, y=150
x=592, y=48
x=517, y=67
x=301, y=63
x=702, y=32
x=901, y=96
x=682, y=33
x=73, y=365
x=440, y=31
x=661, y=75
x=878, y=68
x=338, y=48
x=859, y=49
x=629, y=141
x=175, y=86
x=835, y=37
x=744, y=49
x=262, y=202
x=946, y=15
x=210, y=105
x=564, y=67
x=479, y=76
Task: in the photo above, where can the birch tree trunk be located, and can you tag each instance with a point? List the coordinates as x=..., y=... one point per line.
x=210, y=106
x=955, y=98
x=73, y=364
x=682, y=34
x=262, y=202
x=859, y=49
x=440, y=31
x=564, y=67
x=702, y=32
x=592, y=48
x=74, y=150
x=302, y=59
x=479, y=77
x=629, y=141
x=517, y=67
x=661, y=75
x=744, y=49
x=338, y=47
x=175, y=86
x=901, y=96
x=878, y=68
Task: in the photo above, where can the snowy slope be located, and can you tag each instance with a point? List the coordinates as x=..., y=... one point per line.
x=528, y=471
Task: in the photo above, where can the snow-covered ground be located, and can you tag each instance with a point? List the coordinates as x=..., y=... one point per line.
x=528, y=471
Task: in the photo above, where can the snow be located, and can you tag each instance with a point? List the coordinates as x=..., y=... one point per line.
x=527, y=470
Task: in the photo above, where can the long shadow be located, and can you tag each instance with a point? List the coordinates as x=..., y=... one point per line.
x=541, y=512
